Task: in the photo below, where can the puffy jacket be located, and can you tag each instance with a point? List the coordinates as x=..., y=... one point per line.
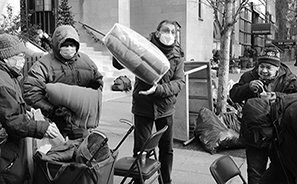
x=13, y=159
x=52, y=68
x=13, y=111
x=161, y=103
x=285, y=83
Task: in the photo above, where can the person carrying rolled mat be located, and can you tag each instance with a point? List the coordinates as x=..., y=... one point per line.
x=154, y=104
x=64, y=64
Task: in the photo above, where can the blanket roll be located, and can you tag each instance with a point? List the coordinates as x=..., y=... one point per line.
x=136, y=53
x=85, y=102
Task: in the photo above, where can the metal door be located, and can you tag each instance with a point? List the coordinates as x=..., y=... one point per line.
x=43, y=13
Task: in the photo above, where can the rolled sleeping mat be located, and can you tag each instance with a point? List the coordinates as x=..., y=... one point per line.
x=86, y=103
x=136, y=53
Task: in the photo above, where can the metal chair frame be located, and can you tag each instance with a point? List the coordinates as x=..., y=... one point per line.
x=131, y=167
x=224, y=168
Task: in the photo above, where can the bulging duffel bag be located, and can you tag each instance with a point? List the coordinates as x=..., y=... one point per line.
x=53, y=172
x=256, y=125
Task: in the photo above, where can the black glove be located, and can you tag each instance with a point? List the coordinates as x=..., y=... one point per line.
x=95, y=84
x=63, y=117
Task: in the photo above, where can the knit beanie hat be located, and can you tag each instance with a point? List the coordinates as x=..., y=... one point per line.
x=10, y=45
x=269, y=55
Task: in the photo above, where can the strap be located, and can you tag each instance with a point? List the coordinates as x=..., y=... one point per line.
x=58, y=174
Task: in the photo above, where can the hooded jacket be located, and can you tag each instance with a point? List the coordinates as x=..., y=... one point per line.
x=13, y=111
x=285, y=82
x=161, y=103
x=52, y=67
x=17, y=125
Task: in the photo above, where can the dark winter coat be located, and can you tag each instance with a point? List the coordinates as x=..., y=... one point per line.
x=285, y=83
x=52, y=68
x=288, y=137
x=17, y=125
x=161, y=103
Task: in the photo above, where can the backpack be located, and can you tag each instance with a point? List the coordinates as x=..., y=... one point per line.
x=278, y=108
x=256, y=124
x=121, y=83
x=283, y=114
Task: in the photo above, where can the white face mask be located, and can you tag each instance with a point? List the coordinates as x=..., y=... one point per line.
x=167, y=39
x=16, y=62
x=67, y=52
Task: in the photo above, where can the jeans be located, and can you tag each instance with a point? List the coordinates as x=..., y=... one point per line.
x=143, y=129
x=257, y=159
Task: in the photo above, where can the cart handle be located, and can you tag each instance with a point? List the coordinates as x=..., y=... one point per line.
x=128, y=132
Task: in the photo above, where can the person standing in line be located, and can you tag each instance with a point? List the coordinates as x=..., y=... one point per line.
x=13, y=115
x=64, y=64
x=273, y=77
x=44, y=40
x=155, y=103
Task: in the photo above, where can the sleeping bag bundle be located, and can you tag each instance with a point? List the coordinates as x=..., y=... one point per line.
x=84, y=102
x=136, y=53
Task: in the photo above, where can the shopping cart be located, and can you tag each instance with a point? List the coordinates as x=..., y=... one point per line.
x=53, y=172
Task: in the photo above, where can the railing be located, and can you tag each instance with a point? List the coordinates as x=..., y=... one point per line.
x=85, y=25
x=30, y=60
x=34, y=43
x=89, y=30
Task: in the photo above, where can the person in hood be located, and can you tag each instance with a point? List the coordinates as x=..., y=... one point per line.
x=271, y=77
x=15, y=122
x=64, y=64
x=154, y=104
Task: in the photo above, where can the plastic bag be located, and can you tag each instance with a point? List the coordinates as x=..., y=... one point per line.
x=213, y=134
x=136, y=53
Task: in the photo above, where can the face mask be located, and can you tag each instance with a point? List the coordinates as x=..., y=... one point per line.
x=67, y=52
x=167, y=39
x=16, y=63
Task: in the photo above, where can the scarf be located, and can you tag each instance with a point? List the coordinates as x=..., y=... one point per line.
x=164, y=48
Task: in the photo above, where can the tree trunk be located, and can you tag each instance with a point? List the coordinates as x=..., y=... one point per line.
x=224, y=63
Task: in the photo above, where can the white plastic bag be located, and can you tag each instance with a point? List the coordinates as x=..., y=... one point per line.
x=136, y=53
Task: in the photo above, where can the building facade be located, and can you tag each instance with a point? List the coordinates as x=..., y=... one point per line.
x=143, y=16
x=198, y=33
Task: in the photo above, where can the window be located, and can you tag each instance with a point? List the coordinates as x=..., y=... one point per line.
x=43, y=5
x=245, y=23
x=199, y=9
x=47, y=5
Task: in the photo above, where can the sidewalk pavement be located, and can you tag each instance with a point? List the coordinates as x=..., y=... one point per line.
x=189, y=166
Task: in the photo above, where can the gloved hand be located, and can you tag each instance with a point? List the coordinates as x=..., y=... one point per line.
x=96, y=84
x=63, y=117
x=256, y=86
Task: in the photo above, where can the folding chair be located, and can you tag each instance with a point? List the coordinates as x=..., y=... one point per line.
x=224, y=168
x=131, y=167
